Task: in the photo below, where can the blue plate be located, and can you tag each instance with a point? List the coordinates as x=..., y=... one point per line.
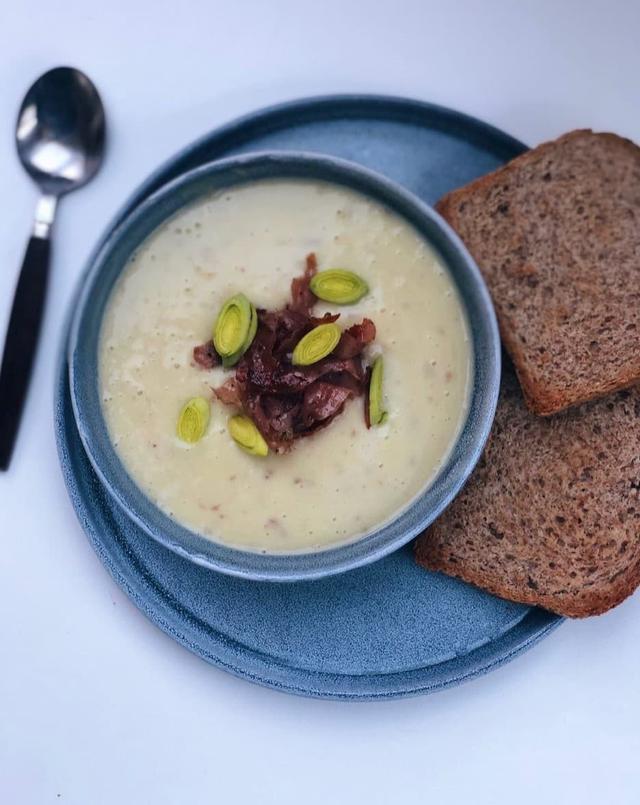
x=388, y=629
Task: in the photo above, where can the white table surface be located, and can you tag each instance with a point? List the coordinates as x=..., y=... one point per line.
x=96, y=704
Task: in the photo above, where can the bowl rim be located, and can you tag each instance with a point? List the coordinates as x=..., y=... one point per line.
x=402, y=527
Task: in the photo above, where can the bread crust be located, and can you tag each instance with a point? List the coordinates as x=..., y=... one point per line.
x=589, y=603
x=551, y=515
x=545, y=392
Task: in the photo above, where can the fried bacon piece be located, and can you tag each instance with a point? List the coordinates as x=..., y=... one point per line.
x=302, y=299
x=289, y=402
x=230, y=392
x=355, y=339
x=205, y=355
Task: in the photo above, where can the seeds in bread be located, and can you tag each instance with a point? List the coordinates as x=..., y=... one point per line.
x=556, y=233
x=551, y=515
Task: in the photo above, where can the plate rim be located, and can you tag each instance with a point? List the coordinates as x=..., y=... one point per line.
x=274, y=117
x=250, y=664
x=326, y=107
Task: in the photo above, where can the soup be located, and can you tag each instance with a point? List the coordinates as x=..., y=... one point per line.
x=344, y=480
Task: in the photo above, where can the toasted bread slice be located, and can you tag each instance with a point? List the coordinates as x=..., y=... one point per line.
x=551, y=516
x=556, y=234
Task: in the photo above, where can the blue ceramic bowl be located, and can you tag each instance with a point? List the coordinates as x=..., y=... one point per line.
x=104, y=269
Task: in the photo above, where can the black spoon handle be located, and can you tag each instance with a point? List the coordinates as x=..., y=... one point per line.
x=21, y=342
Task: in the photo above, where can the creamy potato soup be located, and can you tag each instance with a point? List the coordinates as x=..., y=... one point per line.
x=345, y=479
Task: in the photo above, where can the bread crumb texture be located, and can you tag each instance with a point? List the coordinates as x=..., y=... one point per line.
x=551, y=515
x=556, y=234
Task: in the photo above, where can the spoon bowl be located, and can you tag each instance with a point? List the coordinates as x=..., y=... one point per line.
x=60, y=131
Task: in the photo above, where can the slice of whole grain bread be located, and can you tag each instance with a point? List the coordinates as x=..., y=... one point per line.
x=551, y=515
x=556, y=233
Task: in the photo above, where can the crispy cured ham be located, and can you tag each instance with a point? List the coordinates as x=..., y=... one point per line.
x=288, y=402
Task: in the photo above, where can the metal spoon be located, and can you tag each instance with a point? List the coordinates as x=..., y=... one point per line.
x=60, y=137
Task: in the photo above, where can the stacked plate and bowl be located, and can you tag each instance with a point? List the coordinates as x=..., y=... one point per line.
x=357, y=621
